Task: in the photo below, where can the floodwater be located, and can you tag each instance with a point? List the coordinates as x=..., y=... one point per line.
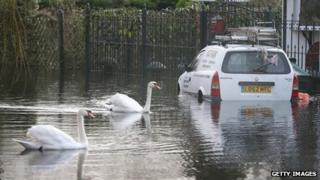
x=181, y=139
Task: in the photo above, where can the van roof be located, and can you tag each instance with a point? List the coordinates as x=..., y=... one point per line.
x=243, y=47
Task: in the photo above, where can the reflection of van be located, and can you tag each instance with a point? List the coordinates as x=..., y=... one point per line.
x=240, y=72
x=231, y=117
x=234, y=132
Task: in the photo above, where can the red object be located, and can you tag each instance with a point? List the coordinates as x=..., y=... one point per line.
x=217, y=26
x=215, y=85
x=215, y=112
x=312, y=58
x=295, y=87
x=304, y=96
x=303, y=99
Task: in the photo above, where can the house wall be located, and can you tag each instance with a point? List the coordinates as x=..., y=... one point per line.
x=296, y=44
x=295, y=41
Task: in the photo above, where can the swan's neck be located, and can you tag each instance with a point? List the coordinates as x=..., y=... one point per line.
x=81, y=157
x=148, y=100
x=81, y=131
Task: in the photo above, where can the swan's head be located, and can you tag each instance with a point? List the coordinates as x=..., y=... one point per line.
x=86, y=113
x=153, y=84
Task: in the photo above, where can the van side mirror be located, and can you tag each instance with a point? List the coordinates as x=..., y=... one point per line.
x=293, y=60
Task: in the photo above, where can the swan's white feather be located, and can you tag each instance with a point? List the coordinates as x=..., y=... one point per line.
x=28, y=144
x=123, y=103
x=47, y=137
x=52, y=138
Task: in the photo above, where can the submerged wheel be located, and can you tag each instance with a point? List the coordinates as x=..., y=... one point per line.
x=178, y=89
x=200, y=97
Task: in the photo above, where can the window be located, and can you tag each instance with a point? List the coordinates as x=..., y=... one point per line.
x=195, y=62
x=255, y=62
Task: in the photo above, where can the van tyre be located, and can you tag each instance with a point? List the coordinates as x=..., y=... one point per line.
x=178, y=89
x=200, y=97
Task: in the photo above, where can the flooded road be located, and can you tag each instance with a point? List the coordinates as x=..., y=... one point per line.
x=181, y=139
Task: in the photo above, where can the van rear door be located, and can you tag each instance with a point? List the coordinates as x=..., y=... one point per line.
x=255, y=75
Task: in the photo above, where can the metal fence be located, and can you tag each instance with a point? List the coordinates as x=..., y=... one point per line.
x=132, y=40
x=55, y=38
x=42, y=41
x=302, y=43
x=135, y=40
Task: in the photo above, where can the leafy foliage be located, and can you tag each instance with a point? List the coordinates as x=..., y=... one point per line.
x=310, y=14
x=149, y=4
x=56, y=3
x=183, y=3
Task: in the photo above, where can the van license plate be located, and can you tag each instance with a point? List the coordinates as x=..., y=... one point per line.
x=256, y=89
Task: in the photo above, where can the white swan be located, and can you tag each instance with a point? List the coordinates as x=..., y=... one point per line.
x=123, y=103
x=47, y=137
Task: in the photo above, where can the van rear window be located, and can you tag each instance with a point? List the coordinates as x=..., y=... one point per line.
x=255, y=62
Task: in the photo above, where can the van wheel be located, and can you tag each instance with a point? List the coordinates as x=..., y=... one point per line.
x=200, y=97
x=178, y=89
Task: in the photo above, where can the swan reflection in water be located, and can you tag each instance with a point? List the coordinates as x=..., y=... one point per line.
x=50, y=160
x=122, y=121
x=53, y=160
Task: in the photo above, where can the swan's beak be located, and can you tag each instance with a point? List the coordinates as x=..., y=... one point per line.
x=91, y=115
x=157, y=86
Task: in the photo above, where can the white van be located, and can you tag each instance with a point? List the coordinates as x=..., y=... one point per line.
x=240, y=72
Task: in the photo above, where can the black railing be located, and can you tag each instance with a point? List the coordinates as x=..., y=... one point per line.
x=302, y=43
x=135, y=41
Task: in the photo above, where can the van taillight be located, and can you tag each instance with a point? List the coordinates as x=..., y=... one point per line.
x=215, y=85
x=295, y=86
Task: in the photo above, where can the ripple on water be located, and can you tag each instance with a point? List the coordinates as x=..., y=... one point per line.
x=182, y=140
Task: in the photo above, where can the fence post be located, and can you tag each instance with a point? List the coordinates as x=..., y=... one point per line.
x=284, y=25
x=61, y=52
x=87, y=42
x=61, y=40
x=129, y=44
x=203, y=27
x=144, y=39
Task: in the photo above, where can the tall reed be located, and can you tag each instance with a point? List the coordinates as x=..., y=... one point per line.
x=12, y=42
